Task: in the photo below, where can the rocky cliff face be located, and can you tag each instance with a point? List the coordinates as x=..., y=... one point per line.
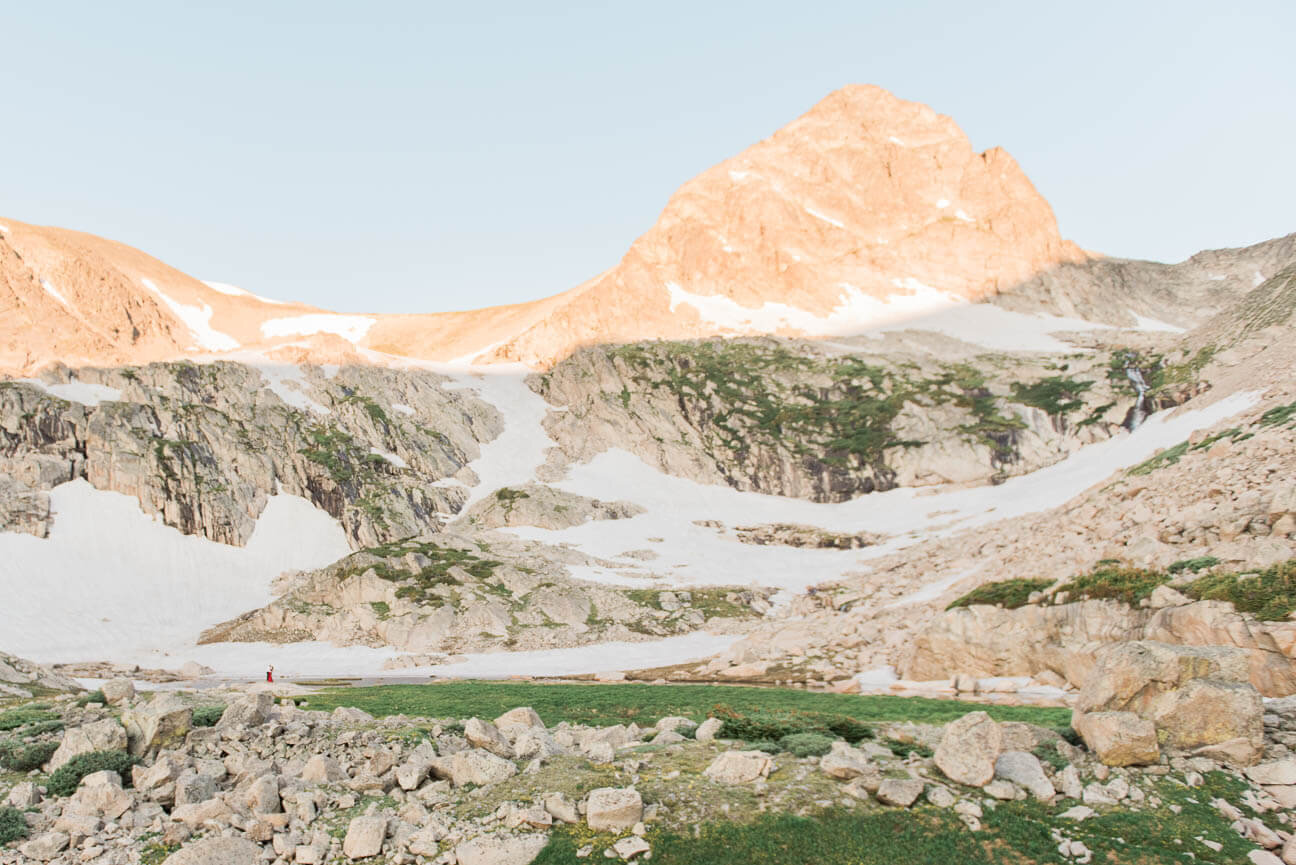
x=789, y=419
x=203, y=445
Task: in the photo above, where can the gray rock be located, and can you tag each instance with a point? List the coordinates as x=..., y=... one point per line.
x=900, y=792
x=479, y=767
x=163, y=722
x=844, y=762
x=364, y=837
x=613, y=808
x=105, y=735
x=500, y=849
x=739, y=767
x=521, y=718
x=485, y=735
x=1024, y=770
x=44, y=848
x=708, y=729
x=217, y=851
x=969, y=748
x=250, y=710
x=118, y=691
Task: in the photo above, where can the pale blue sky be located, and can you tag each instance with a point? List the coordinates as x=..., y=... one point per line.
x=425, y=156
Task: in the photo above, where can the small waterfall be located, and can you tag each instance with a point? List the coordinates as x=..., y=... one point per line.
x=1140, y=411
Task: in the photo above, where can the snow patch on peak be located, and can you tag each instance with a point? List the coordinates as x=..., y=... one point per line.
x=739, y=176
x=288, y=382
x=942, y=204
x=4, y=229
x=198, y=320
x=962, y=215
x=54, y=292
x=235, y=291
x=828, y=219
x=403, y=409
x=1257, y=279
x=352, y=328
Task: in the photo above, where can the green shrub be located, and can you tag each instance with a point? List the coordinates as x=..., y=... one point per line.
x=774, y=726
x=40, y=728
x=1200, y=563
x=207, y=716
x=36, y=713
x=1269, y=595
x=1047, y=752
x=904, y=749
x=17, y=757
x=65, y=779
x=1130, y=585
x=1011, y=594
x=92, y=697
x=806, y=744
x=12, y=825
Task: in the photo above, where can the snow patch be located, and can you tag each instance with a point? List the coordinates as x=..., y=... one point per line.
x=962, y=214
x=931, y=591
x=739, y=176
x=942, y=204
x=1153, y=325
x=198, y=320
x=235, y=291
x=895, y=140
x=350, y=327
x=54, y=293
x=116, y=583
x=828, y=219
x=77, y=391
x=288, y=382
x=695, y=555
x=921, y=308
x=403, y=409
x=512, y=458
x=1257, y=279
x=4, y=229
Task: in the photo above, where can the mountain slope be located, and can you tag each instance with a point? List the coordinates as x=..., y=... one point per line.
x=863, y=200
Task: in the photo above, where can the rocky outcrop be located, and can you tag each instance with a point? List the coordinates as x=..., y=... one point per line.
x=982, y=640
x=453, y=593
x=786, y=419
x=203, y=446
x=1195, y=696
x=542, y=506
x=22, y=678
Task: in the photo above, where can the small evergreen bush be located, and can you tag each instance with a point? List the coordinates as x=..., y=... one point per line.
x=92, y=697
x=17, y=757
x=207, y=716
x=36, y=713
x=1010, y=594
x=773, y=726
x=12, y=825
x=65, y=779
x=806, y=744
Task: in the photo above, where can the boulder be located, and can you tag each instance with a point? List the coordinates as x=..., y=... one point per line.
x=534, y=743
x=351, y=715
x=1118, y=738
x=250, y=710
x=118, y=691
x=630, y=847
x=105, y=735
x=322, y=769
x=161, y=723
x=44, y=848
x=900, y=792
x=485, y=735
x=23, y=796
x=521, y=718
x=739, y=767
x=968, y=749
x=613, y=809
x=100, y=794
x=479, y=767
x=1277, y=772
x=1024, y=769
x=560, y=808
x=708, y=729
x=1196, y=696
x=844, y=762
x=217, y=851
x=192, y=788
x=364, y=837
x=500, y=849
x=262, y=796
x=1132, y=677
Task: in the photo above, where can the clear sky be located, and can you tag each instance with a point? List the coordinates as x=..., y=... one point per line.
x=424, y=156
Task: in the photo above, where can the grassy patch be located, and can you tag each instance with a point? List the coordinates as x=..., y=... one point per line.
x=1056, y=394
x=1279, y=415
x=1014, y=833
x=19, y=757
x=646, y=704
x=1114, y=582
x=22, y=716
x=1200, y=563
x=1010, y=594
x=1167, y=457
x=1269, y=595
x=207, y=716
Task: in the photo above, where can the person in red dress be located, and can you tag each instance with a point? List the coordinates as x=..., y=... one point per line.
x=270, y=674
